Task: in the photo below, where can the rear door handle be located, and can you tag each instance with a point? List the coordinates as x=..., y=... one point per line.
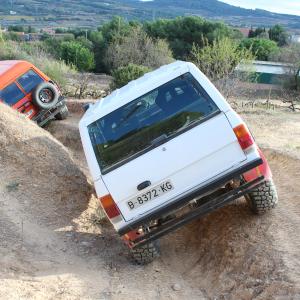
x=143, y=185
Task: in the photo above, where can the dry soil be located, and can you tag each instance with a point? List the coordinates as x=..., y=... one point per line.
x=54, y=243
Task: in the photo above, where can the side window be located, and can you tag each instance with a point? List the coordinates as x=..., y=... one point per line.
x=29, y=81
x=11, y=94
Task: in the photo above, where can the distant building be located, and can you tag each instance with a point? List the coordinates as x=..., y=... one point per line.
x=268, y=72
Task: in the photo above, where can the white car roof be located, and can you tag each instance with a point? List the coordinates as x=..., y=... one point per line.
x=140, y=87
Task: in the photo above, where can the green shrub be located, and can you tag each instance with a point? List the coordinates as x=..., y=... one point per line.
x=278, y=34
x=139, y=49
x=261, y=48
x=220, y=59
x=76, y=54
x=110, y=32
x=291, y=56
x=123, y=75
x=182, y=32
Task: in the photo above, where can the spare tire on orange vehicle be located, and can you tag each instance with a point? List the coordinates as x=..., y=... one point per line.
x=45, y=95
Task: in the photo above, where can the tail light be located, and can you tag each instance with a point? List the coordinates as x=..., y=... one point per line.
x=244, y=136
x=110, y=206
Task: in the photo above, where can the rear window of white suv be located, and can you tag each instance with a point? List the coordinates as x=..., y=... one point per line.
x=149, y=121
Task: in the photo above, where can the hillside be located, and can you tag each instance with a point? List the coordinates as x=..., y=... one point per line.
x=91, y=13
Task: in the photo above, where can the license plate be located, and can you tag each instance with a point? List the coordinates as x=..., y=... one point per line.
x=150, y=194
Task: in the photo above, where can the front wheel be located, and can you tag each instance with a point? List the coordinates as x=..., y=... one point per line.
x=146, y=254
x=63, y=114
x=263, y=198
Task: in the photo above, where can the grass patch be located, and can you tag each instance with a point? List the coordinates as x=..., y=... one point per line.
x=17, y=17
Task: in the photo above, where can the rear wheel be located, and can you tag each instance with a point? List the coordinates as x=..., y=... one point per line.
x=146, y=253
x=63, y=114
x=263, y=198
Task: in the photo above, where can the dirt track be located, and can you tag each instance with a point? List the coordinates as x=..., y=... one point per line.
x=52, y=247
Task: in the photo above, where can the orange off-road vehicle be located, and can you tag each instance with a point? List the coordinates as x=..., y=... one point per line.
x=27, y=89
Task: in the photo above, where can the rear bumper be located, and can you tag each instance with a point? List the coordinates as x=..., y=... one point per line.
x=196, y=213
x=45, y=115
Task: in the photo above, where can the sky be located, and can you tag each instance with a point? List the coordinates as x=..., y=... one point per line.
x=279, y=6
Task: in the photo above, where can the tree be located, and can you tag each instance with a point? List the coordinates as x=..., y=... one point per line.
x=1, y=38
x=291, y=56
x=74, y=53
x=110, y=32
x=180, y=34
x=251, y=33
x=183, y=32
x=278, y=34
x=236, y=34
x=85, y=42
x=99, y=48
x=290, y=81
x=261, y=48
x=263, y=35
x=137, y=48
x=259, y=32
x=219, y=61
x=16, y=28
x=123, y=75
x=31, y=29
x=290, y=84
x=116, y=29
x=60, y=30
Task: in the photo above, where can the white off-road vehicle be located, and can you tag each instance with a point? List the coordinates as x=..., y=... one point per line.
x=167, y=149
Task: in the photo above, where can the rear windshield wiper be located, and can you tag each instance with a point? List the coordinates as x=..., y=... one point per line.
x=129, y=115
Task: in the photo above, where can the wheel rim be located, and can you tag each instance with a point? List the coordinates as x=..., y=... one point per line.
x=46, y=95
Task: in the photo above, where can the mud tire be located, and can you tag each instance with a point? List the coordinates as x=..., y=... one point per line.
x=263, y=198
x=146, y=253
x=63, y=114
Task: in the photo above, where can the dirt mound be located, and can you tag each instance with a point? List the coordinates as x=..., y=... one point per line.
x=234, y=254
x=72, y=139
x=40, y=170
x=51, y=249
